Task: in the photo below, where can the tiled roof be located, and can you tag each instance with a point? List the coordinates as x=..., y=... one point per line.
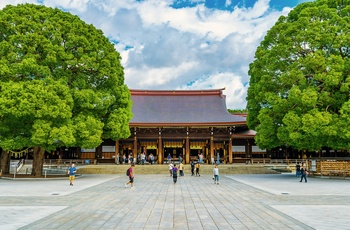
x=181, y=107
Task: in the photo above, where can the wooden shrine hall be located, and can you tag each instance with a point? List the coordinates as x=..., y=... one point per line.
x=185, y=123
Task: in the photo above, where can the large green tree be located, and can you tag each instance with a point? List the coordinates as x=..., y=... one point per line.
x=61, y=83
x=300, y=84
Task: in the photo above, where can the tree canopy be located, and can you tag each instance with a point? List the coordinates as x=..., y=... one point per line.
x=61, y=81
x=300, y=83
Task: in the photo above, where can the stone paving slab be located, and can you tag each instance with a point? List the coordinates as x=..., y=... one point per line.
x=239, y=202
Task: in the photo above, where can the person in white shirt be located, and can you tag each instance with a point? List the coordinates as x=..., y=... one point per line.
x=171, y=168
x=216, y=174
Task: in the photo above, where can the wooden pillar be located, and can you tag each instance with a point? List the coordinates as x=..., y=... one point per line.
x=134, y=150
x=187, y=161
x=160, y=150
x=230, y=160
x=212, y=148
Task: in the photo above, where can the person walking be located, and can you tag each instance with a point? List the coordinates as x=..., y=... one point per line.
x=216, y=174
x=192, y=168
x=197, y=169
x=181, y=169
x=297, y=170
x=171, y=166
x=303, y=172
x=175, y=169
x=71, y=172
x=130, y=173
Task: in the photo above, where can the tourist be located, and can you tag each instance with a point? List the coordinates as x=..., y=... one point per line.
x=139, y=158
x=181, y=169
x=124, y=159
x=297, y=170
x=117, y=159
x=192, y=168
x=71, y=172
x=216, y=174
x=151, y=157
x=303, y=172
x=171, y=168
x=169, y=158
x=175, y=173
x=143, y=158
x=197, y=169
x=218, y=158
x=130, y=173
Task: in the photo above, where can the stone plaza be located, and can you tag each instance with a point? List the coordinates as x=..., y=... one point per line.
x=274, y=201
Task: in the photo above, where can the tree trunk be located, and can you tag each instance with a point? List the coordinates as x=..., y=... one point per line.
x=5, y=162
x=38, y=161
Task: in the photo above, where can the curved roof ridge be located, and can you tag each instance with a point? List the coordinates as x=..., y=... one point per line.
x=176, y=92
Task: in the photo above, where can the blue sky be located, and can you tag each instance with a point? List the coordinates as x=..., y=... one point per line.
x=182, y=44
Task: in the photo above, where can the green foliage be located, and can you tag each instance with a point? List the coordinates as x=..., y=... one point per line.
x=299, y=86
x=61, y=82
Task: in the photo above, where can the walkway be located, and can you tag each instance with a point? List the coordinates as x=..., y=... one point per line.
x=239, y=202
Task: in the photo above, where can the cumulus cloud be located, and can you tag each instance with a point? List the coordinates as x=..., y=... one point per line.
x=193, y=47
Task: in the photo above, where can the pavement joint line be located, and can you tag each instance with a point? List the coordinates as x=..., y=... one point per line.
x=240, y=201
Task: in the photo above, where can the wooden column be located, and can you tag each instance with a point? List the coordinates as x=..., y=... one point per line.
x=134, y=150
x=230, y=160
x=212, y=148
x=160, y=150
x=187, y=161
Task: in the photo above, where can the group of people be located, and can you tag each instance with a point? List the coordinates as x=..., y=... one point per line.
x=300, y=170
x=142, y=158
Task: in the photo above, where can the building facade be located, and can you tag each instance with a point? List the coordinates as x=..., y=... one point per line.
x=182, y=123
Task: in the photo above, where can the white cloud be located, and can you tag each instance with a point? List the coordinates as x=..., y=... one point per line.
x=167, y=48
x=235, y=91
x=75, y=5
x=4, y=3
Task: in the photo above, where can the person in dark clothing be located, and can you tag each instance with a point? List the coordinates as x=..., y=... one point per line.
x=303, y=174
x=297, y=170
x=192, y=168
x=175, y=173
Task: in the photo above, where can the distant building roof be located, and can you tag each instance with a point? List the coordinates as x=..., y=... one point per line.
x=181, y=108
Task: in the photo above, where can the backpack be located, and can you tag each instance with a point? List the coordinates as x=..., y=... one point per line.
x=128, y=172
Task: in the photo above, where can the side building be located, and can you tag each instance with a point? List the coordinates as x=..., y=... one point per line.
x=181, y=123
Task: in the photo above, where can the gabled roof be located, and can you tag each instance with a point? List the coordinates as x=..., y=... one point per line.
x=181, y=108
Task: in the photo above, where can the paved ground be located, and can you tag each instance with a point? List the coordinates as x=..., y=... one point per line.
x=239, y=202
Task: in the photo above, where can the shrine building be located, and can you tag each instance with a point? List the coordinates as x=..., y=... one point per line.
x=182, y=123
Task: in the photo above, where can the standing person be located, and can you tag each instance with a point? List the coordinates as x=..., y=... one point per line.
x=175, y=173
x=192, y=168
x=130, y=173
x=216, y=174
x=171, y=166
x=71, y=172
x=139, y=158
x=303, y=172
x=197, y=169
x=117, y=159
x=143, y=158
x=181, y=169
x=297, y=170
x=124, y=159
x=169, y=158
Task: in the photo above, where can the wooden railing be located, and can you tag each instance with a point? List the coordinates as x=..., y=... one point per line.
x=333, y=168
